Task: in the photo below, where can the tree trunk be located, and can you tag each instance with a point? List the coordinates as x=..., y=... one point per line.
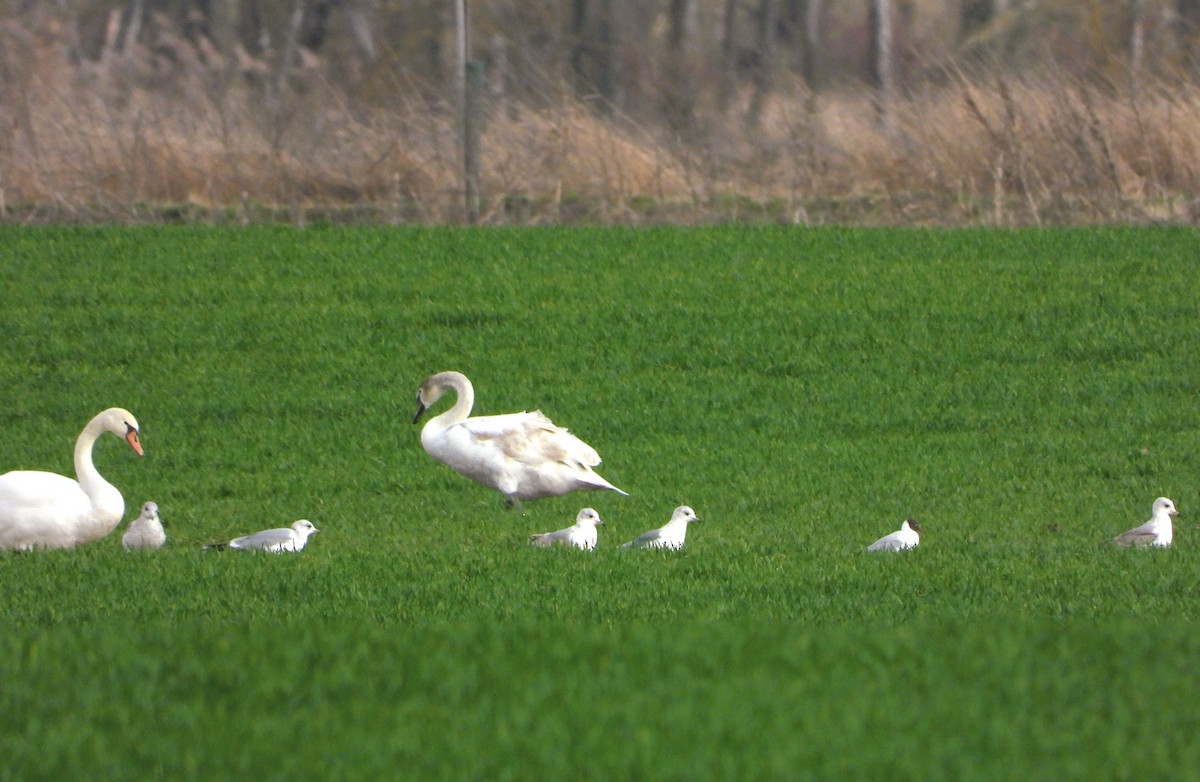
x=728, y=86
x=608, y=69
x=975, y=16
x=133, y=26
x=765, y=61
x=222, y=22
x=1188, y=13
x=808, y=54
x=1137, y=41
x=360, y=27
x=882, y=62
x=679, y=97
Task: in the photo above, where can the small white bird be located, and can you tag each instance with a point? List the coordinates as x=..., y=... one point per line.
x=276, y=541
x=670, y=535
x=1157, y=532
x=582, y=535
x=146, y=531
x=524, y=456
x=908, y=536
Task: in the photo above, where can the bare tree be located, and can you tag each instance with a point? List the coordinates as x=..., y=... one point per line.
x=799, y=27
x=679, y=97
x=882, y=61
x=728, y=86
x=812, y=34
x=977, y=15
x=1188, y=14
x=594, y=63
x=1137, y=40
x=764, y=61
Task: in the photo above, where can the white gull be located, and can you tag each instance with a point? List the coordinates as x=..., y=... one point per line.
x=582, y=534
x=1157, y=532
x=670, y=535
x=276, y=541
x=146, y=531
x=908, y=536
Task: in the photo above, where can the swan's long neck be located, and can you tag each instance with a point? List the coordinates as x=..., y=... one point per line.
x=86, y=473
x=464, y=400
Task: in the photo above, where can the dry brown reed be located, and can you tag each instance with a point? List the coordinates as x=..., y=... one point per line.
x=109, y=142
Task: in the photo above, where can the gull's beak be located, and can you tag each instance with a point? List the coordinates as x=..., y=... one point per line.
x=420, y=411
x=132, y=438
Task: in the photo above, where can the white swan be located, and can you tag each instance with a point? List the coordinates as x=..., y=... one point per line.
x=580, y=535
x=43, y=509
x=524, y=456
x=146, y=531
x=669, y=536
x=1158, y=532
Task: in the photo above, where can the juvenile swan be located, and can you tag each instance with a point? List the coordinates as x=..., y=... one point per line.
x=580, y=535
x=670, y=535
x=524, y=456
x=43, y=509
x=1157, y=532
x=908, y=536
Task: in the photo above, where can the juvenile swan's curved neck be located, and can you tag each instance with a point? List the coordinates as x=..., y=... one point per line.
x=464, y=395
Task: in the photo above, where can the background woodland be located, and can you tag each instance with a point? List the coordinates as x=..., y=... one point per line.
x=869, y=112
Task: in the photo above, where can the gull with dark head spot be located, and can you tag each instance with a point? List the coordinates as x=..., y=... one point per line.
x=582, y=534
x=146, y=531
x=908, y=536
x=670, y=535
x=1158, y=532
x=275, y=541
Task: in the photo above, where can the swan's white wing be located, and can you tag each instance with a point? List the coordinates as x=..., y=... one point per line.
x=532, y=438
x=270, y=538
x=559, y=445
x=34, y=489
x=489, y=427
x=40, y=509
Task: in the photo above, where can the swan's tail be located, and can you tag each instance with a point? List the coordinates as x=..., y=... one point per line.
x=601, y=484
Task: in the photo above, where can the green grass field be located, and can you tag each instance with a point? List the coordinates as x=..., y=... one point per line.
x=1025, y=395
